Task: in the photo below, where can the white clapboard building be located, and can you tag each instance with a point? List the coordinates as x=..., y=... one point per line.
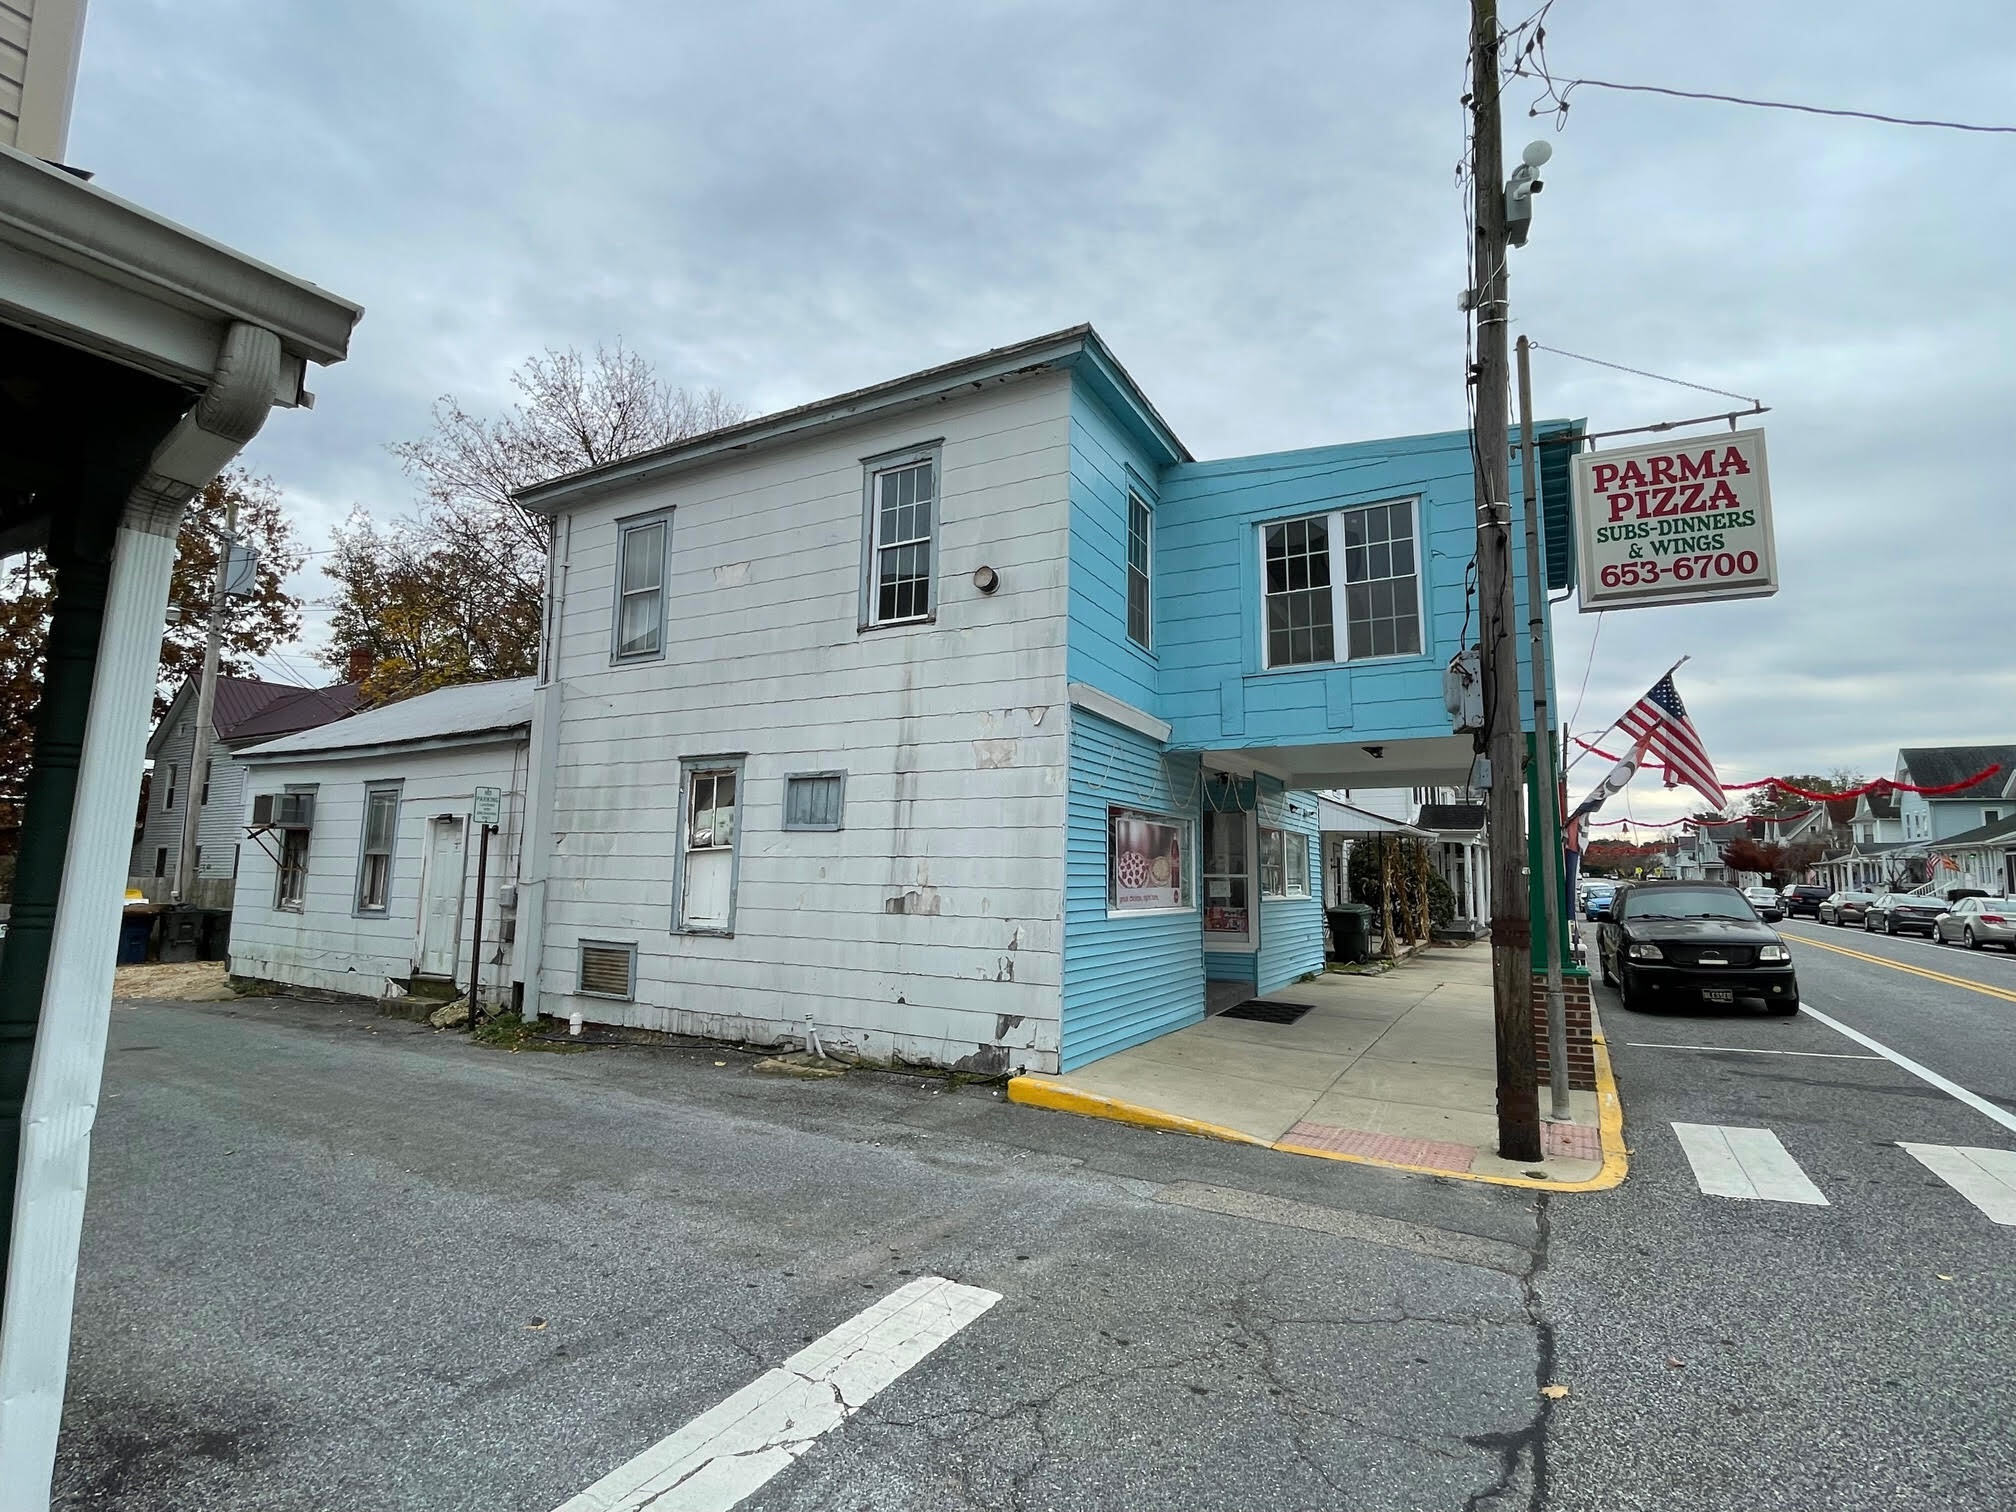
x=358, y=871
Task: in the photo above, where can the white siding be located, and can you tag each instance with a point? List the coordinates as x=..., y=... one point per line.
x=221, y=828
x=929, y=925
x=327, y=945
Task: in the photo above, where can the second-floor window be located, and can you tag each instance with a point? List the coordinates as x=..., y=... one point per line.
x=640, y=589
x=1380, y=576
x=1140, y=529
x=902, y=532
x=168, y=790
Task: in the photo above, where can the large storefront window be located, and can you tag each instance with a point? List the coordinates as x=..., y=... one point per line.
x=1147, y=856
x=1227, y=876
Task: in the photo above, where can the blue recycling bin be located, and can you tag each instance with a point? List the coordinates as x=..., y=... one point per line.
x=134, y=932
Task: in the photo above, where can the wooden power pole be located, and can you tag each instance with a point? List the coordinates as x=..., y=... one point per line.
x=1511, y=905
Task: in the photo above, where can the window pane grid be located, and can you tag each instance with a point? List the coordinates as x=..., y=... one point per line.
x=1299, y=625
x=904, y=497
x=1382, y=586
x=640, y=590
x=1138, y=601
x=812, y=802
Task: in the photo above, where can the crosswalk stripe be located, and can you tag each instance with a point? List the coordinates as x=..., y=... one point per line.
x=1745, y=1163
x=1986, y=1178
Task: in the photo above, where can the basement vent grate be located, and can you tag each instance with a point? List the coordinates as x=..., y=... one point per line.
x=608, y=970
x=1265, y=1012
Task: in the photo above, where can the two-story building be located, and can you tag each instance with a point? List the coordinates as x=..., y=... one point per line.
x=1938, y=816
x=246, y=712
x=968, y=718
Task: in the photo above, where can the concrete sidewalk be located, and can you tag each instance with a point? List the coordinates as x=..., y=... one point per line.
x=1396, y=1069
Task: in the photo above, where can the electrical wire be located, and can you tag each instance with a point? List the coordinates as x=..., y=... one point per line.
x=1619, y=367
x=1559, y=90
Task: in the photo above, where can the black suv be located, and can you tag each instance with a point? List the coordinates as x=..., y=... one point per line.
x=1804, y=898
x=1690, y=943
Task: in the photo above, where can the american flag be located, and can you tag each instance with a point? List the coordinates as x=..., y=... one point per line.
x=1660, y=720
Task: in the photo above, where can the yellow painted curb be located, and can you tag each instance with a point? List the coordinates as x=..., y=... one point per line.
x=1040, y=1092
x=1938, y=976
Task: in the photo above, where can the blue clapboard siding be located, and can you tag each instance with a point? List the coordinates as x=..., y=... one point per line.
x=1106, y=460
x=1125, y=979
x=1214, y=689
x=1291, y=929
x=1229, y=965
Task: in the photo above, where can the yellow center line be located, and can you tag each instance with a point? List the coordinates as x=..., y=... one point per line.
x=1937, y=976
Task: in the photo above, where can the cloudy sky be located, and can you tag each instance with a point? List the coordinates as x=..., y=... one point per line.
x=1255, y=205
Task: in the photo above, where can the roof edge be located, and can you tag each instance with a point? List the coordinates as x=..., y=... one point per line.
x=489, y=735
x=1053, y=351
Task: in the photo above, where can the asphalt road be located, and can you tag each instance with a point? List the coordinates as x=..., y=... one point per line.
x=333, y=1260
x=1752, y=1353
x=338, y=1261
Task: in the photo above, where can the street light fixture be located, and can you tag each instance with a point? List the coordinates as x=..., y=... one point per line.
x=1520, y=191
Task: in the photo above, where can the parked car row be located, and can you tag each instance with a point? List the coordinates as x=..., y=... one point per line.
x=1966, y=917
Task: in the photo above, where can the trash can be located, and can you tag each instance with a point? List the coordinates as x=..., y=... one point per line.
x=134, y=928
x=1351, y=933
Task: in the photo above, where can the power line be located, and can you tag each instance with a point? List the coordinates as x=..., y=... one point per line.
x=1642, y=373
x=1559, y=90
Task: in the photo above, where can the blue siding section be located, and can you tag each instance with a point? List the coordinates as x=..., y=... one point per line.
x=1100, y=652
x=1214, y=689
x=1291, y=929
x=1229, y=965
x=1125, y=979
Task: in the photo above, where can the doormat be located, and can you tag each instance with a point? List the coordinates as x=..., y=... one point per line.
x=1266, y=1012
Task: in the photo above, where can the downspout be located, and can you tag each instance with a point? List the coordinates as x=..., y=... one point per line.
x=535, y=840
x=56, y=973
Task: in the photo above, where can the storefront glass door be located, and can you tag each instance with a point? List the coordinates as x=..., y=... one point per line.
x=1228, y=880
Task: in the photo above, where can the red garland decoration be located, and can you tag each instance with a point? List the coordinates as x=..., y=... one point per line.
x=1880, y=785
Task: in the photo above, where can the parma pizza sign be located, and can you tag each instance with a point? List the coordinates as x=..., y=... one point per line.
x=1674, y=523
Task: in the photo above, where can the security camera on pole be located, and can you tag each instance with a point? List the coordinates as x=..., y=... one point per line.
x=1504, y=212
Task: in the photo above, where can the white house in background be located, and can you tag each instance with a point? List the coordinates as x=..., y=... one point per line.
x=360, y=867
x=247, y=712
x=1940, y=816
x=1983, y=857
x=1876, y=821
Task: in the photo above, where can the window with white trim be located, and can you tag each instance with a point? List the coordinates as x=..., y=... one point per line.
x=1140, y=541
x=812, y=800
x=1273, y=883
x=707, y=858
x=1380, y=574
x=168, y=790
x=640, y=589
x=902, y=534
x=291, y=888
x=1295, y=852
x=374, y=855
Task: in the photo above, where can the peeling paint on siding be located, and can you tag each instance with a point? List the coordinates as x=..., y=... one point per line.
x=993, y=755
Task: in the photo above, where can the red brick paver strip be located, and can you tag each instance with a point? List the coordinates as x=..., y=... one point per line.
x=1437, y=1154
x=1577, y=1141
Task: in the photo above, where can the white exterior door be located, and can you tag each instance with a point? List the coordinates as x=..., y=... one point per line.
x=441, y=904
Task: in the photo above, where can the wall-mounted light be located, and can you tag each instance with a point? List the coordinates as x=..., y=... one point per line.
x=986, y=579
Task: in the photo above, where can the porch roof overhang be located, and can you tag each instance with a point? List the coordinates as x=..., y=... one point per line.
x=1434, y=761
x=1334, y=818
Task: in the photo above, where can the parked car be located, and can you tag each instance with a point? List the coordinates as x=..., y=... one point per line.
x=1896, y=913
x=1803, y=898
x=1694, y=943
x=1977, y=920
x=1845, y=907
x=1765, y=901
x=1598, y=899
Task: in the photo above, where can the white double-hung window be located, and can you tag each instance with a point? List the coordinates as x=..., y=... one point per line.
x=900, y=538
x=639, y=633
x=706, y=881
x=1370, y=552
x=374, y=858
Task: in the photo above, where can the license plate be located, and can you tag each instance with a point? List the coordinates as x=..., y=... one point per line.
x=1718, y=994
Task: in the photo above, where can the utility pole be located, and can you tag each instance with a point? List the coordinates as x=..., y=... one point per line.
x=1547, y=788
x=1511, y=907
x=206, y=707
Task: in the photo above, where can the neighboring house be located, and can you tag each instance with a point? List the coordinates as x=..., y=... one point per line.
x=1703, y=863
x=1463, y=858
x=966, y=718
x=369, y=885
x=1947, y=814
x=1983, y=857
x=247, y=711
x=1876, y=821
